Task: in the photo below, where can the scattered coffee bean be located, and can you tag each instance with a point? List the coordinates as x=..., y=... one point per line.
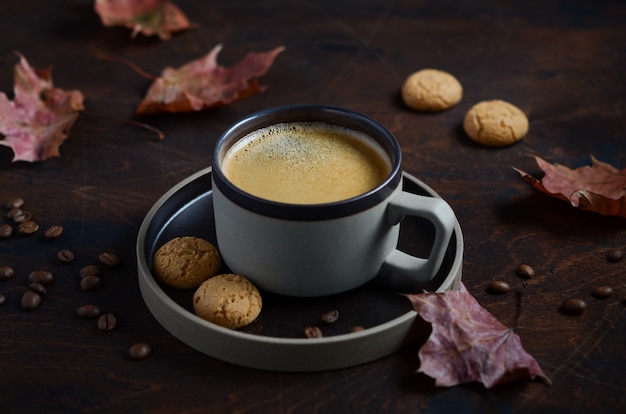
x=6, y=231
x=357, y=328
x=90, y=270
x=109, y=259
x=28, y=227
x=498, y=287
x=573, y=306
x=330, y=317
x=13, y=212
x=43, y=277
x=65, y=256
x=54, y=232
x=313, y=332
x=14, y=202
x=602, y=292
x=2, y=299
x=107, y=322
x=6, y=272
x=139, y=351
x=525, y=272
x=20, y=216
x=38, y=288
x=615, y=255
x=88, y=311
x=30, y=300
x=90, y=282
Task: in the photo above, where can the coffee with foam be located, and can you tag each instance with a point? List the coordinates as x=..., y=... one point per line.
x=306, y=163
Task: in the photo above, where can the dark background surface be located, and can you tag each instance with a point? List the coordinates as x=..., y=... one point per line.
x=561, y=62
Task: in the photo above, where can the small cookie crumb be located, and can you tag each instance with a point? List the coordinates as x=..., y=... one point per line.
x=186, y=262
x=495, y=123
x=228, y=300
x=431, y=90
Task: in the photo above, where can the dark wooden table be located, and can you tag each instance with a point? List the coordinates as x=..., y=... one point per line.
x=562, y=63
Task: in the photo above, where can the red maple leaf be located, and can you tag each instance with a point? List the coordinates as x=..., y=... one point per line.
x=148, y=17
x=39, y=118
x=202, y=83
x=599, y=187
x=468, y=344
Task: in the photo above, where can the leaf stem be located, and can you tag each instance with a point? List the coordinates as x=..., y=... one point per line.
x=160, y=135
x=130, y=64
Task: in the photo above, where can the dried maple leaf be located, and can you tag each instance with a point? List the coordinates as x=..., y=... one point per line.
x=39, y=118
x=202, y=83
x=468, y=344
x=148, y=17
x=599, y=187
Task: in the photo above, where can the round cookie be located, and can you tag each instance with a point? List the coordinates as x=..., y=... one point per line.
x=228, y=300
x=186, y=262
x=495, y=123
x=431, y=90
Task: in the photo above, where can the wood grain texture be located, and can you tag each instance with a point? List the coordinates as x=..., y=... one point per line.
x=562, y=63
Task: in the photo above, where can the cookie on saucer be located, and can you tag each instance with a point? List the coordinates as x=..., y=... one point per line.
x=185, y=262
x=228, y=300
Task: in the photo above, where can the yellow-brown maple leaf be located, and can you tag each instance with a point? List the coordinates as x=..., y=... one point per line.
x=469, y=344
x=148, y=17
x=599, y=187
x=202, y=83
x=39, y=118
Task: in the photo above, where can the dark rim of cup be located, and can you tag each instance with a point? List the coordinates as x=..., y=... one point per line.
x=315, y=113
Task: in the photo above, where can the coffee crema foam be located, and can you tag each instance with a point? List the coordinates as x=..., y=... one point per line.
x=306, y=163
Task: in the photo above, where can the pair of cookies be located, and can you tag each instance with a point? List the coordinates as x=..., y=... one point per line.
x=189, y=262
x=492, y=123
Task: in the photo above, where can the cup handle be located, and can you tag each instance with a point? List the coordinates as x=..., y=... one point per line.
x=438, y=212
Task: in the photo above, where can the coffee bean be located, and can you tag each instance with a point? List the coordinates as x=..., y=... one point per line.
x=2, y=299
x=525, y=272
x=357, y=328
x=330, y=317
x=54, y=232
x=88, y=311
x=312, y=332
x=90, y=282
x=615, y=255
x=498, y=287
x=14, y=212
x=107, y=322
x=20, y=216
x=38, y=288
x=6, y=231
x=30, y=300
x=573, y=306
x=6, y=272
x=109, y=259
x=65, y=256
x=139, y=351
x=43, y=277
x=14, y=202
x=602, y=292
x=28, y=227
x=90, y=270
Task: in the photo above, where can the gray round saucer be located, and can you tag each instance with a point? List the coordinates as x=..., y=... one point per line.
x=276, y=341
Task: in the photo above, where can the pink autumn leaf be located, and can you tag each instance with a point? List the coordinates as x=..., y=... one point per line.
x=599, y=187
x=469, y=344
x=39, y=118
x=203, y=84
x=149, y=17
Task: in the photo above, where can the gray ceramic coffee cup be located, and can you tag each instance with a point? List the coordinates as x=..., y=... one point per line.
x=322, y=249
